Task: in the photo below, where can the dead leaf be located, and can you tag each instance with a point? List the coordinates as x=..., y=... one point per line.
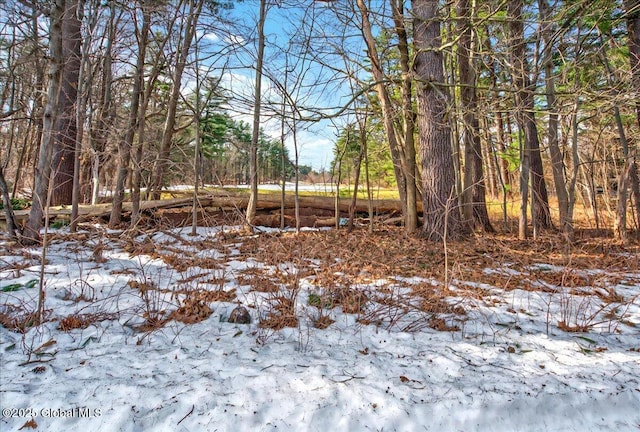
x=31, y=424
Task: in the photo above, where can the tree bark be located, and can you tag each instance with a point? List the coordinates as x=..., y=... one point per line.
x=629, y=175
x=38, y=102
x=124, y=146
x=106, y=110
x=43, y=169
x=502, y=164
x=66, y=123
x=193, y=15
x=397, y=155
x=138, y=148
x=474, y=199
x=531, y=164
x=531, y=160
x=557, y=159
x=12, y=226
x=632, y=8
x=408, y=116
x=84, y=94
x=356, y=183
x=441, y=214
x=255, y=136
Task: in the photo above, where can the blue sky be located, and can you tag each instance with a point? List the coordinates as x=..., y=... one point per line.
x=315, y=139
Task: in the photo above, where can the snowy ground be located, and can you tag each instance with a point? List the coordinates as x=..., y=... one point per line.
x=290, y=186
x=506, y=366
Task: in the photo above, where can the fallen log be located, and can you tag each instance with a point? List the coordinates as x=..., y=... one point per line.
x=273, y=221
x=269, y=202
x=324, y=206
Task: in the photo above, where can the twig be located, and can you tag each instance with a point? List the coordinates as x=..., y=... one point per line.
x=188, y=414
x=351, y=377
x=470, y=363
x=38, y=360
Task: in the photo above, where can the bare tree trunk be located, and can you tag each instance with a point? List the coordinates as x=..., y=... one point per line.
x=571, y=192
x=43, y=169
x=296, y=193
x=524, y=88
x=408, y=116
x=66, y=122
x=85, y=81
x=106, y=109
x=441, y=214
x=338, y=166
x=620, y=224
x=34, y=122
x=253, y=168
x=540, y=198
x=12, y=226
x=356, y=184
x=489, y=149
x=138, y=148
x=8, y=99
x=463, y=31
x=525, y=175
x=632, y=8
x=628, y=176
x=624, y=181
x=363, y=140
x=474, y=202
x=124, y=146
x=283, y=157
x=502, y=165
x=557, y=162
x=397, y=155
x=136, y=178
x=504, y=143
x=193, y=15
x=498, y=174
x=197, y=114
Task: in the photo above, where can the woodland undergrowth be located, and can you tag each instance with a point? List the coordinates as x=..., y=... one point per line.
x=384, y=278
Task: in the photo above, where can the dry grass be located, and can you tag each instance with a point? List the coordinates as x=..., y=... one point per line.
x=17, y=318
x=583, y=217
x=573, y=328
x=281, y=313
x=82, y=321
x=258, y=281
x=322, y=321
x=191, y=311
x=344, y=267
x=214, y=295
x=341, y=270
x=341, y=259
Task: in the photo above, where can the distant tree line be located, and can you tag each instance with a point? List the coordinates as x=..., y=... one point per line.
x=453, y=103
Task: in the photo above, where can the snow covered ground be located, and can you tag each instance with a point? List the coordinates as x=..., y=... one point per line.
x=507, y=366
x=326, y=188
x=291, y=186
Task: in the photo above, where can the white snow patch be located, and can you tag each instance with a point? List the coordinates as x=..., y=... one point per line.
x=508, y=368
